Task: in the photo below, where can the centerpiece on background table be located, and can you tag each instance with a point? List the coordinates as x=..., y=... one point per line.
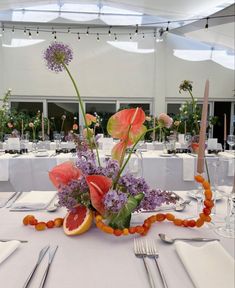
x=103, y=191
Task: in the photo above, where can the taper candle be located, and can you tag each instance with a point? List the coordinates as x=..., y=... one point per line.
x=202, y=134
x=43, y=136
x=154, y=132
x=225, y=127
x=22, y=128
x=48, y=126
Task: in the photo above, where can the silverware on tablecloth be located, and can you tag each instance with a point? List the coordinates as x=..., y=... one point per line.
x=151, y=251
x=169, y=240
x=52, y=252
x=141, y=253
x=6, y=240
x=7, y=201
x=9, y=204
x=40, y=257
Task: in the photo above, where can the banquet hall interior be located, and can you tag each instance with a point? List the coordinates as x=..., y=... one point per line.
x=117, y=118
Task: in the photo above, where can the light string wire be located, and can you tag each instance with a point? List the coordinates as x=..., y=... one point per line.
x=135, y=29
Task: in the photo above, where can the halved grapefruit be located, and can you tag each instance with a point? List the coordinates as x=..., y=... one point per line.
x=78, y=221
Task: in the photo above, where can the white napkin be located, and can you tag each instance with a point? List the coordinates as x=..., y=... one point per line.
x=4, y=169
x=208, y=266
x=6, y=248
x=34, y=200
x=188, y=167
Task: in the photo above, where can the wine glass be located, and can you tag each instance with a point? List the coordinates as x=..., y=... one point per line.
x=231, y=141
x=226, y=186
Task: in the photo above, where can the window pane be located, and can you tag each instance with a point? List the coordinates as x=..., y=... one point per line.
x=56, y=112
x=144, y=106
x=104, y=111
x=29, y=108
x=173, y=109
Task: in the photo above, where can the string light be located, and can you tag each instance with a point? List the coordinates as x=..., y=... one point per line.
x=98, y=37
x=167, y=28
x=137, y=29
x=207, y=24
x=55, y=37
x=79, y=38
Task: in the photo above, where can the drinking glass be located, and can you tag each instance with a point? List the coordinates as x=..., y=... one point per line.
x=231, y=141
x=226, y=186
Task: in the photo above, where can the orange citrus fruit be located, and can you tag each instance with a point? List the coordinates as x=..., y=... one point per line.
x=78, y=221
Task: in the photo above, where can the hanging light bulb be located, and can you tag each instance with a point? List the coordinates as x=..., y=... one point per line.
x=79, y=36
x=87, y=31
x=130, y=36
x=30, y=34
x=98, y=37
x=55, y=37
x=69, y=29
x=143, y=35
x=137, y=29
x=3, y=28
x=24, y=30
x=37, y=31
x=167, y=28
x=115, y=36
x=109, y=33
x=207, y=24
x=13, y=29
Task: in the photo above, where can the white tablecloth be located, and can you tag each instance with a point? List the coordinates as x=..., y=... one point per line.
x=94, y=259
x=28, y=172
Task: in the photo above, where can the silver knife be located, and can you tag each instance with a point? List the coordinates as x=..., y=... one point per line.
x=6, y=240
x=52, y=252
x=40, y=257
x=18, y=194
x=5, y=203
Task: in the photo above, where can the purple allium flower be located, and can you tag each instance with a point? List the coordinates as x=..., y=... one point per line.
x=57, y=55
x=114, y=201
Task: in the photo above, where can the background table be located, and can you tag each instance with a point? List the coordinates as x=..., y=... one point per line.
x=28, y=172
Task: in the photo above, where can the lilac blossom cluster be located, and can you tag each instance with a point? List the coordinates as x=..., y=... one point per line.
x=114, y=201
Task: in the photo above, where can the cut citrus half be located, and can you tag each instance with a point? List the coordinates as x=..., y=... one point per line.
x=77, y=221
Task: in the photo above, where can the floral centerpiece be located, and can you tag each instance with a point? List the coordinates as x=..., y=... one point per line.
x=90, y=188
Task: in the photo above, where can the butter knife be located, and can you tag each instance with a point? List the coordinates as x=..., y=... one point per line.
x=40, y=257
x=52, y=252
x=9, y=204
x=7, y=201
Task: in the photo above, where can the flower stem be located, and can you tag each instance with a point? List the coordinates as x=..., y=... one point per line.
x=194, y=111
x=129, y=156
x=83, y=110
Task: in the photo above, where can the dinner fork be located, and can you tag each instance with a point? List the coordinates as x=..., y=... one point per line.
x=139, y=252
x=153, y=253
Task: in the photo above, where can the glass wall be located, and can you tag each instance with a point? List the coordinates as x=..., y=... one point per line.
x=29, y=108
x=144, y=106
x=62, y=116
x=104, y=112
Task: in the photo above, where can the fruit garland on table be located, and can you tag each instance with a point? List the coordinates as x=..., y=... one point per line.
x=144, y=228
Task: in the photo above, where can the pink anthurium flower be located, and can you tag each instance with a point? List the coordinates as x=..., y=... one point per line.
x=126, y=125
x=64, y=173
x=90, y=119
x=99, y=185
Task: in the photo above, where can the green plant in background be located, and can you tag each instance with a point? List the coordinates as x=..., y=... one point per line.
x=4, y=113
x=190, y=113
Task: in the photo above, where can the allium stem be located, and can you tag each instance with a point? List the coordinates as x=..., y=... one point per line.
x=194, y=111
x=83, y=111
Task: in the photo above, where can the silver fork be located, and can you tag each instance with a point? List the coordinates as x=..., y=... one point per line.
x=153, y=253
x=141, y=253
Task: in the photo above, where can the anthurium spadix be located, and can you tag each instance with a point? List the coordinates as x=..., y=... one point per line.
x=126, y=125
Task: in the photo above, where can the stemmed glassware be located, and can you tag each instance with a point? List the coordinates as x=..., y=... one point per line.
x=231, y=141
x=226, y=185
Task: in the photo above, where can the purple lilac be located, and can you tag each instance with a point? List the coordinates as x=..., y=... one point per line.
x=57, y=55
x=134, y=185
x=114, y=201
x=70, y=194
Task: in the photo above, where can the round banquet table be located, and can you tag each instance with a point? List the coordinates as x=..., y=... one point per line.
x=95, y=259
